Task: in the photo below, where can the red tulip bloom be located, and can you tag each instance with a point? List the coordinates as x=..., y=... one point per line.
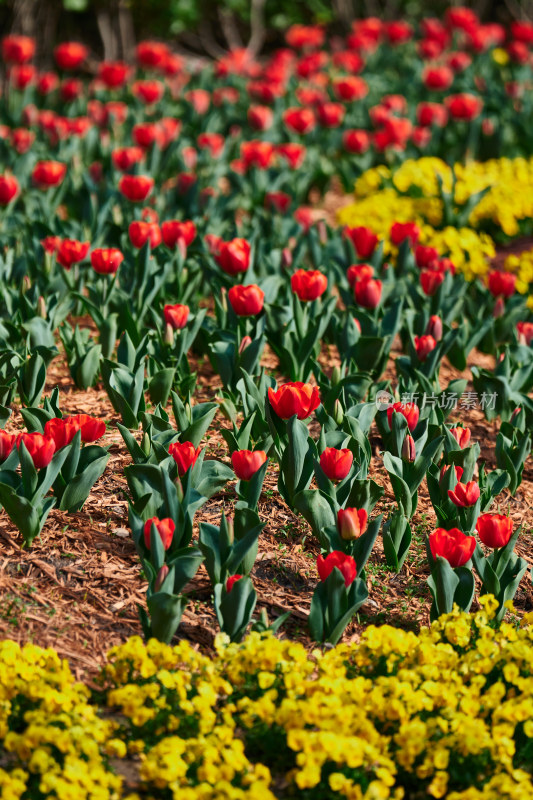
x=453, y=545
x=106, y=260
x=428, y=114
x=9, y=188
x=364, y=240
x=41, y=448
x=47, y=82
x=136, y=188
x=458, y=472
x=165, y=528
x=70, y=252
x=91, y=428
x=234, y=257
x=464, y=495
x=148, y=91
x=293, y=153
x=142, y=232
x=494, y=530
x=344, y=563
x=7, y=443
x=247, y=462
x=18, y=49
x=151, y=55
x=48, y=173
x=113, y=73
x=438, y=78
x=501, y=284
x=356, y=141
x=398, y=32
x=214, y=142
x=260, y=117
x=70, y=55
x=409, y=449
x=294, y=398
x=430, y=280
x=257, y=154
x=124, y=158
x=434, y=327
x=424, y=345
x=410, y=411
x=246, y=301
x=358, y=272
x=51, y=244
x=336, y=464
x=299, y=120
x=350, y=88
x=400, y=231
x=62, y=431
x=461, y=435
x=185, y=455
x=176, y=316
x=464, y=106
x=308, y=285
x=231, y=581
x=425, y=256
x=199, y=99
x=147, y=134
x=21, y=75
x=331, y=115
x=176, y=231
x=278, y=201
x=525, y=332
x=368, y=293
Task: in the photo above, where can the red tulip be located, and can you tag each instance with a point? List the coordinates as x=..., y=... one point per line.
x=358, y=272
x=293, y=153
x=453, y=545
x=464, y=106
x=147, y=134
x=62, y=431
x=9, y=188
x=151, y=55
x=400, y=231
x=336, y=464
x=257, y=154
x=70, y=55
x=106, y=260
x=525, y=332
x=431, y=114
x=51, y=244
x=70, y=252
x=356, y=141
x=91, y=428
x=165, y=528
x=18, y=49
x=199, y=99
x=148, y=91
x=461, y=435
x=214, y=142
x=260, y=117
x=438, y=78
x=308, y=285
x=124, y=158
x=231, y=580
x=299, y=120
x=175, y=231
x=22, y=139
x=398, y=32
x=350, y=88
x=7, y=443
x=71, y=89
x=344, y=563
x=409, y=449
x=410, y=411
x=331, y=115
x=501, y=284
x=464, y=494
x=430, y=280
x=425, y=256
x=234, y=257
x=424, y=345
x=368, y=292
x=48, y=173
x=113, y=73
x=364, y=240
x=41, y=448
x=294, y=398
x=247, y=462
x=434, y=327
x=494, y=530
x=246, y=301
x=21, y=75
x=176, y=316
x=278, y=201
x=142, y=232
x=136, y=188
x=185, y=455
x=458, y=472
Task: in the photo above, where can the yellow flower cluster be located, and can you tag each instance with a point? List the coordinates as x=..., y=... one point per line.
x=445, y=714
x=492, y=194
x=522, y=265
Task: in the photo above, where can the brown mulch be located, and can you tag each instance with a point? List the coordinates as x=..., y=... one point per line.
x=78, y=587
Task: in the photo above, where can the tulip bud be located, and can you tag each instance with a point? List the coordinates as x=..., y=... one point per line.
x=179, y=489
x=168, y=338
x=286, y=258
x=188, y=411
x=322, y=231
x=146, y=444
x=499, y=308
x=434, y=327
x=515, y=414
x=245, y=341
x=338, y=413
x=230, y=522
x=41, y=307
x=336, y=376
x=224, y=299
x=26, y=284
x=408, y=449
x=161, y=575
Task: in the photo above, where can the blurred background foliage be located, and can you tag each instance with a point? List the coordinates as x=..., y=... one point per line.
x=207, y=27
